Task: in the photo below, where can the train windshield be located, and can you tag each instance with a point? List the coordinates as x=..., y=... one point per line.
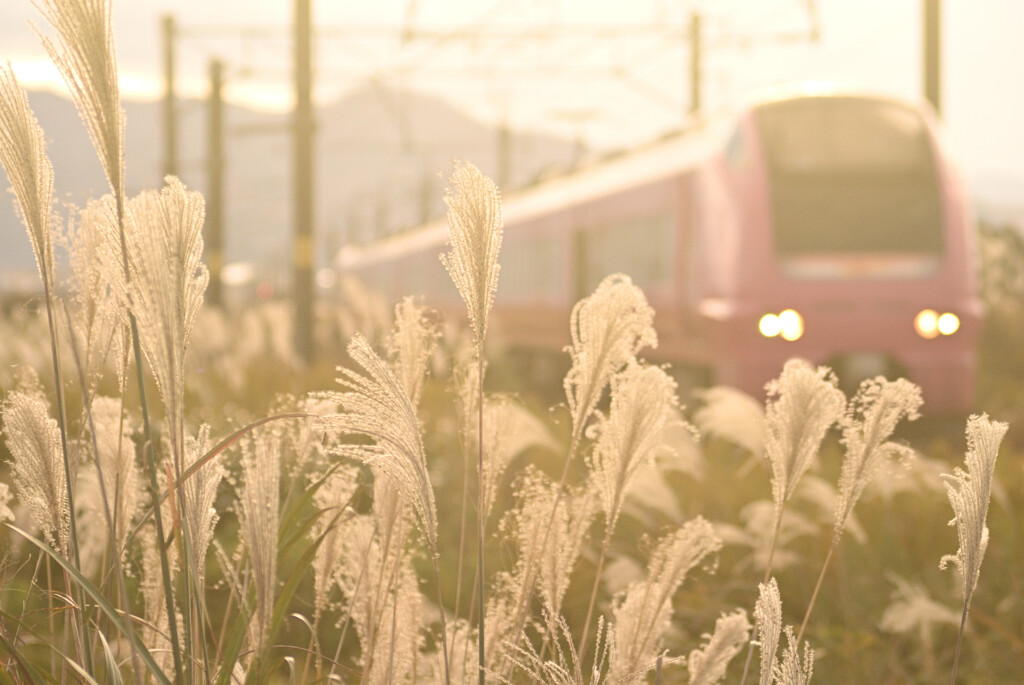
x=850, y=176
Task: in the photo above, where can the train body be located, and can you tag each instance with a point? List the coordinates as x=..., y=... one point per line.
x=819, y=224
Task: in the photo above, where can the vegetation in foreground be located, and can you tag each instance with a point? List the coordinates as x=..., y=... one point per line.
x=400, y=529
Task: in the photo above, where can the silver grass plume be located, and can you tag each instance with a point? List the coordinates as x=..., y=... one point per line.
x=163, y=232
x=969, y=493
x=768, y=617
x=912, y=607
x=121, y=477
x=259, y=507
x=643, y=400
x=151, y=585
x=95, y=315
x=412, y=341
x=33, y=439
x=874, y=412
x=792, y=669
x=645, y=612
x=84, y=56
x=608, y=328
x=804, y=404
x=332, y=496
x=707, y=665
x=374, y=404
x=549, y=549
x=199, y=494
x=23, y=155
x=474, y=232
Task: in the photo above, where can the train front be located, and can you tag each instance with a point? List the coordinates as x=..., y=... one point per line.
x=857, y=248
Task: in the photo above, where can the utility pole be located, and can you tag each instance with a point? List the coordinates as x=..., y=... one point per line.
x=932, y=43
x=695, y=65
x=302, y=174
x=215, y=184
x=170, y=161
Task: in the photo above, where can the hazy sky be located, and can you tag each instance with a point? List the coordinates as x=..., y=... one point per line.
x=611, y=93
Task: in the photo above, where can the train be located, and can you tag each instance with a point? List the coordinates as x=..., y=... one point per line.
x=815, y=222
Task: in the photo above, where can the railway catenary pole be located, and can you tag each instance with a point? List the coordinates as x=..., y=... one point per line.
x=170, y=118
x=695, y=63
x=932, y=58
x=302, y=175
x=214, y=227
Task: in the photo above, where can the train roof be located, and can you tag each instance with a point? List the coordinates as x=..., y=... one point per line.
x=664, y=157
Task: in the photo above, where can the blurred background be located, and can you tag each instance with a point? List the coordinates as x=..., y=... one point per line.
x=362, y=106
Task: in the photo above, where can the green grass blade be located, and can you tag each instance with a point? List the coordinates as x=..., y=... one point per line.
x=101, y=601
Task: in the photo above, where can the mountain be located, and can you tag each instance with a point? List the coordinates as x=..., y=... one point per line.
x=380, y=157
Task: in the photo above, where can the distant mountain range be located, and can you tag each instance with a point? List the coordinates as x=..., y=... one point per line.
x=380, y=160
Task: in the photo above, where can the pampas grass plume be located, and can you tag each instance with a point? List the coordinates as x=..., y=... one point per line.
x=804, y=403
x=474, y=232
x=23, y=155
x=768, y=615
x=707, y=665
x=969, y=493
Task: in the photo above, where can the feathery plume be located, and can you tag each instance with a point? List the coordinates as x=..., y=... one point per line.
x=85, y=59
x=122, y=480
x=643, y=400
x=376, y=405
x=412, y=341
x=645, y=612
x=6, y=514
x=163, y=232
x=335, y=493
x=96, y=318
x=199, y=493
x=768, y=616
x=912, y=607
x=874, y=412
x=792, y=669
x=33, y=439
x=474, y=232
x=259, y=505
x=707, y=665
x=969, y=493
x=804, y=404
x=23, y=156
x=608, y=328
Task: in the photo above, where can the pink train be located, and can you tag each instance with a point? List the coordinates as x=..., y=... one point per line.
x=815, y=223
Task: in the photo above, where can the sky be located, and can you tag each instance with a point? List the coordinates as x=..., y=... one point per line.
x=608, y=93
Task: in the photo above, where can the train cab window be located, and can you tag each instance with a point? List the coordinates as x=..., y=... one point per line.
x=850, y=175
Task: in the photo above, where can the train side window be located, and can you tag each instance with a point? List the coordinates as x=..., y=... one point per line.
x=641, y=248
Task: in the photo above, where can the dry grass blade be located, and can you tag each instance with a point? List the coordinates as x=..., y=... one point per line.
x=23, y=155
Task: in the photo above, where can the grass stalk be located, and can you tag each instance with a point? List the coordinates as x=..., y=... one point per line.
x=481, y=522
x=817, y=587
x=959, y=639
x=582, y=649
x=440, y=607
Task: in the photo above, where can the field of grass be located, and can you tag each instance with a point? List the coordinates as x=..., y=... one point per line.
x=187, y=502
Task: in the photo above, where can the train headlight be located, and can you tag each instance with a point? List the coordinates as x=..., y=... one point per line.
x=769, y=325
x=792, y=324
x=948, y=323
x=926, y=323
x=789, y=324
